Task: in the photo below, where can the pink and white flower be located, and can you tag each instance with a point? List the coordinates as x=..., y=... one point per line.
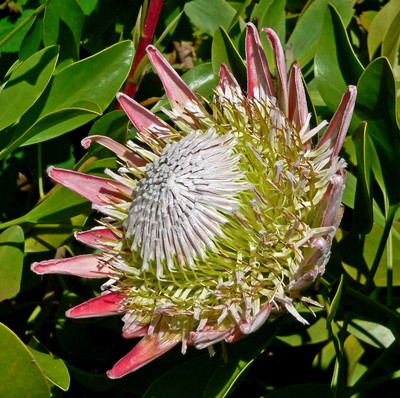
x=225, y=220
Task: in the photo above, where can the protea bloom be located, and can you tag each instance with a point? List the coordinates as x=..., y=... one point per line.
x=225, y=220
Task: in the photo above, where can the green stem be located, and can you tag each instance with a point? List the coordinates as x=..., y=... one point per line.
x=5, y=39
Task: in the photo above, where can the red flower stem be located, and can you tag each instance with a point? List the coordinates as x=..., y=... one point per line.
x=150, y=23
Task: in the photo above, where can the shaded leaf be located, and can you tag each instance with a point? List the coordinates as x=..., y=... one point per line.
x=363, y=213
x=311, y=390
x=376, y=104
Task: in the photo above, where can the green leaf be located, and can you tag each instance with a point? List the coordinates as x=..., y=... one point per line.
x=353, y=351
x=371, y=333
x=335, y=65
x=381, y=24
x=212, y=376
x=11, y=261
x=359, y=259
x=12, y=32
x=275, y=18
x=363, y=213
x=391, y=42
x=62, y=25
x=26, y=84
x=376, y=104
x=20, y=375
x=224, y=51
x=305, y=37
x=33, y=39
x=52, y=367
x=84, y=89
x=210, y=15
x=61, y=204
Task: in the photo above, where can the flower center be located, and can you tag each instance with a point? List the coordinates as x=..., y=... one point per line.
x=180, y=204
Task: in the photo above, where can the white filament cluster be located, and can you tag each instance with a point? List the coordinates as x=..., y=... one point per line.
x=180, y=204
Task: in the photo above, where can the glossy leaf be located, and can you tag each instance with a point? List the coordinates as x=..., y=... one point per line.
x=335, y=65
x=353, y=351
x=360, y=257
x=33, y=39
x=52, y=367
x=371, y=333
x=62, y=25
x=380, y=25
x=20, y=374
x=376, y=104
x=391, y=42
x=11, y=261
x=26, y=84
x=275, y=18
x=224, y=51
x=84, y=88
x=363, y=211
x=305, y=37
x=210, y=15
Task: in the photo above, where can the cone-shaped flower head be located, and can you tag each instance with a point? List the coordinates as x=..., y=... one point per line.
x=226, y=217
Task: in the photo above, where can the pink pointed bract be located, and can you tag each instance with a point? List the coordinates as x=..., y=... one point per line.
x=221, y=220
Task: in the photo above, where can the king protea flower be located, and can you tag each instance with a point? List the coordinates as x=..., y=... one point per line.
x=225, y=218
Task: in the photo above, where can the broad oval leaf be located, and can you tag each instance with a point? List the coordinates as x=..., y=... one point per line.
x=26, y=84
x=11, y=261
x=52, y=367
x=20, y=375
x=89, y=85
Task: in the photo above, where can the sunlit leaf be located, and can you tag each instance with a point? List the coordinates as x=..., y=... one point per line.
x=11, y=261
x=336, y=65
x=26, y=84
x=20, y=375
x=224, y=51
x=210, y=15
x=381, y=24
x=62, y=25
x=304, y=40
x=52, y=367
x=371, y=333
